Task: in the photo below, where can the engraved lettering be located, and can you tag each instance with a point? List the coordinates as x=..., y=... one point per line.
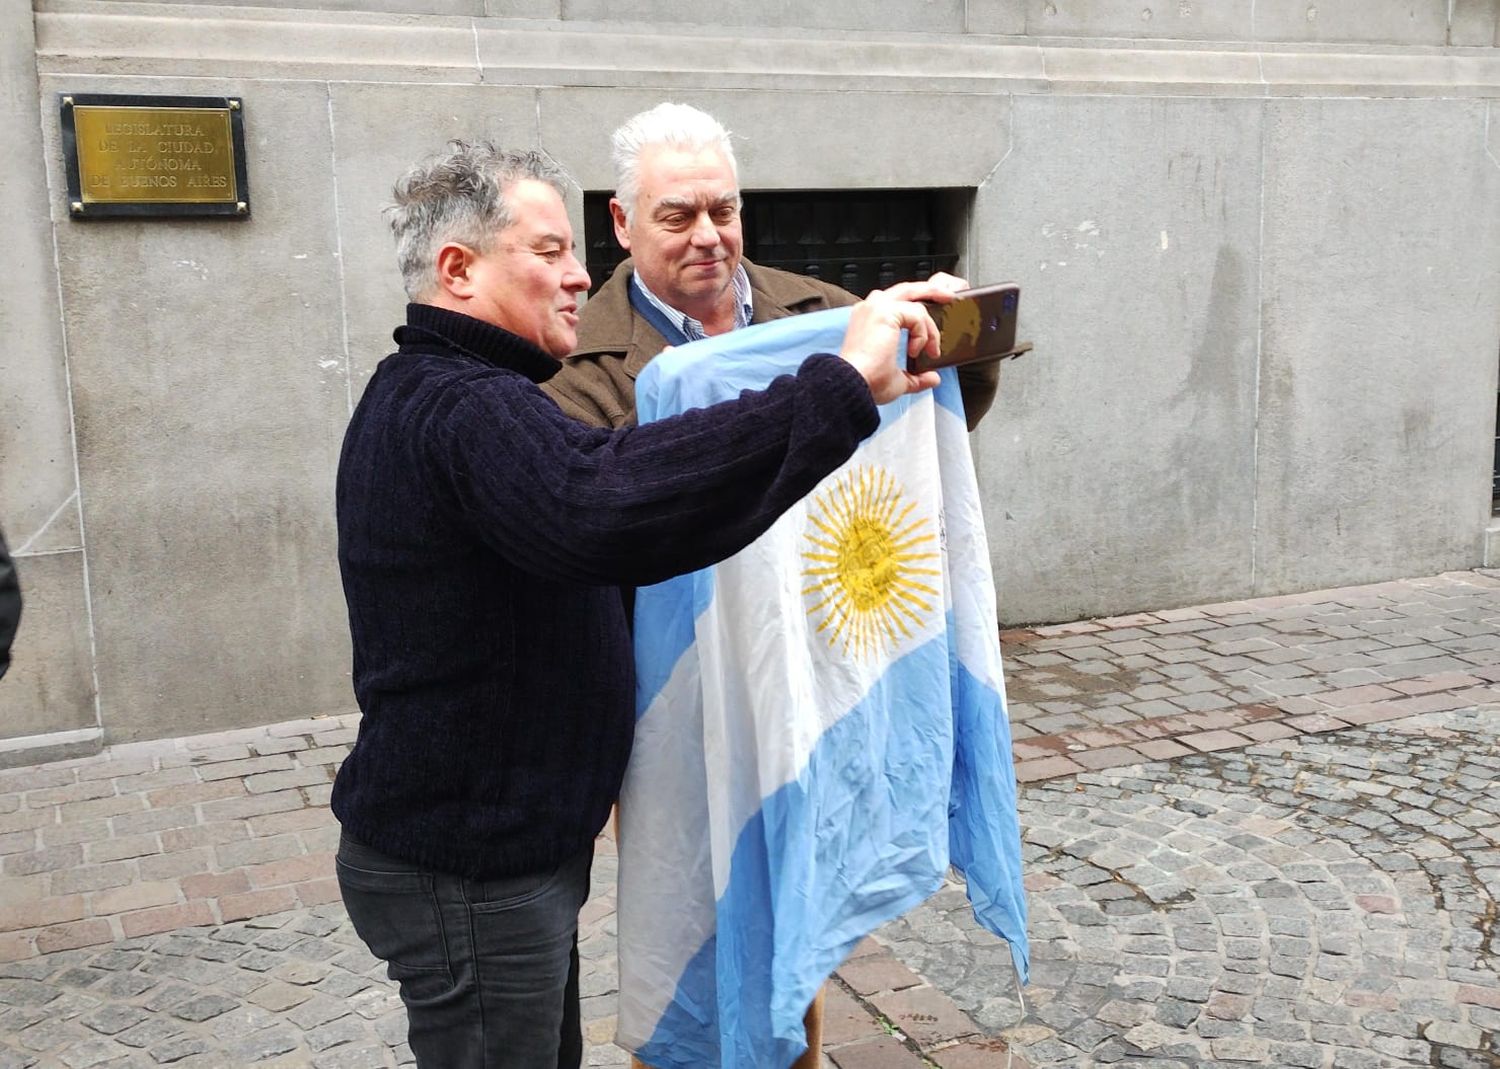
x=154, y=129
x=160, y=163
x=148, y=181
x=186, y=148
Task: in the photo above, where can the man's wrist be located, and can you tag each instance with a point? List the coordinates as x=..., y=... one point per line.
x=834, y=376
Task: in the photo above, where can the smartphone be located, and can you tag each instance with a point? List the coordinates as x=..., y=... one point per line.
x=979, y=324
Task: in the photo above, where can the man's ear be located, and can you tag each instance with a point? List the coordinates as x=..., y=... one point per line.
x=617, y=213
x=454, y=262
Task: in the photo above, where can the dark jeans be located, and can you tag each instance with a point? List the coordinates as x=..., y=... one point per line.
x=488, y=968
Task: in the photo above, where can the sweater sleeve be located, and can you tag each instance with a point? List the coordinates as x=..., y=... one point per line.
x=638, y=505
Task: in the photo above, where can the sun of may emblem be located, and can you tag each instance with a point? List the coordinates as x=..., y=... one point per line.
x=867, y=562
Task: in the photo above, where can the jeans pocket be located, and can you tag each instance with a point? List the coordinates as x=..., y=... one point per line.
x=563, y=888
x=395, y=911
x=510, y=892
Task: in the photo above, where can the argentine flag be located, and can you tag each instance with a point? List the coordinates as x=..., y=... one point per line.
x=820, y=732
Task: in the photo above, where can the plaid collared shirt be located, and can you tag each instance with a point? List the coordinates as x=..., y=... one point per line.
x=744, y=308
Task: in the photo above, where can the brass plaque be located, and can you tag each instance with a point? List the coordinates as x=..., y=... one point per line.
x=144, y=156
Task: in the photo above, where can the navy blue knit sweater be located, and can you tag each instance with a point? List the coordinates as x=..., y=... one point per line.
x=481, y=533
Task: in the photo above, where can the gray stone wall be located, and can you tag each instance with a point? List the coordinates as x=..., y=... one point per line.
x=1259, y=244
x=1266, y=343
x=1386, y=22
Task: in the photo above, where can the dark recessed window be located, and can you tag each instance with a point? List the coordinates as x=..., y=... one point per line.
x=857, y=239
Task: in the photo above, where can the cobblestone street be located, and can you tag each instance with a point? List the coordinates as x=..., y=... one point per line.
x=1324, y=901
x=1259, y=833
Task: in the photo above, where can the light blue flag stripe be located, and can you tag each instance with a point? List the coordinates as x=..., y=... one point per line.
x=984, y=785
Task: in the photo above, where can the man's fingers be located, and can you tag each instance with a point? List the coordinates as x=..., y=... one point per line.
x=917, y=291
x=872, y=342
x=939, y=289
x=922, y=334
x=952, y=283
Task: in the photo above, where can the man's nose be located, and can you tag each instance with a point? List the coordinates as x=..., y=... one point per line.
x=577, y=278
x=705, y=234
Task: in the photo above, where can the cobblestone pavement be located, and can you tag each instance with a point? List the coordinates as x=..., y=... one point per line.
x=1321, y=901
x=1256, y=833
x=1154, y=686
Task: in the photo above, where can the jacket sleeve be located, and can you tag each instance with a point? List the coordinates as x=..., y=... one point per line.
x=10, y=605
x=641, y=504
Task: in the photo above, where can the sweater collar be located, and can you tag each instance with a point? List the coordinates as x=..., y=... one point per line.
x=474, y=338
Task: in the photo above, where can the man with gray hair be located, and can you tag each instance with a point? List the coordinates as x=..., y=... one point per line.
x=676, y=210
x=482, y=535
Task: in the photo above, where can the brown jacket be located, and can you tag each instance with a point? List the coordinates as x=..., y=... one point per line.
x=597, y=382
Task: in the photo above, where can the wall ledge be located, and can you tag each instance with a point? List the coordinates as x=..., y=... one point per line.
x=81, y=37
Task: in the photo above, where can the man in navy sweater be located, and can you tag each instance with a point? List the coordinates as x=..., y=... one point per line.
x=482, y=536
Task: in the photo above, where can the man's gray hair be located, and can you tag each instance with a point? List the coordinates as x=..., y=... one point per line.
x=459, y=195
x=678, y=125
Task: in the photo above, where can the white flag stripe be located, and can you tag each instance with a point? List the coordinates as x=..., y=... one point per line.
x=665, y=884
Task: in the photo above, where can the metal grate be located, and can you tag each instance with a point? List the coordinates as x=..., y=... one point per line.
x=857, y=239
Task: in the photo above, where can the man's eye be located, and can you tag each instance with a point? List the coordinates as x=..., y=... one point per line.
x=551, y=255
x=675, y=222
x=724, y=214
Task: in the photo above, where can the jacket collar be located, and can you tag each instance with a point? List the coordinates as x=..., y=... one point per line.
x=614, y=328
x=610, y=325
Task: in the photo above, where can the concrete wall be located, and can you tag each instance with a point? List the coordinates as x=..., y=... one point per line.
x=1267, y=347
x=1260, y=247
